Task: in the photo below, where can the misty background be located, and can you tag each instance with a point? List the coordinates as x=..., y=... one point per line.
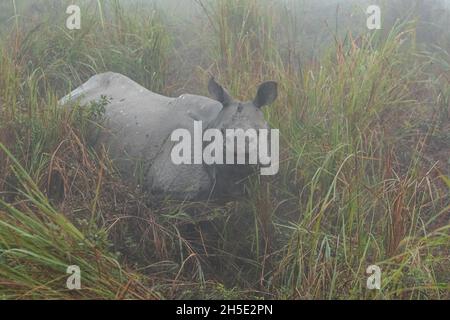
x=304, y=29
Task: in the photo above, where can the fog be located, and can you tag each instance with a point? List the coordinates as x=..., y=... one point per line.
x=314, y=20
x=362, y=113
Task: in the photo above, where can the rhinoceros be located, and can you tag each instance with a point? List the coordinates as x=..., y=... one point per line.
x=138, y=126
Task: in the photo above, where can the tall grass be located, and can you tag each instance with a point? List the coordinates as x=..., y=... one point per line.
x=134, y=44
x=38, y=244
x=345, y=198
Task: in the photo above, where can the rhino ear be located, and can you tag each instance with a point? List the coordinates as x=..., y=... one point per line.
x=267, y=93
x=218, y=92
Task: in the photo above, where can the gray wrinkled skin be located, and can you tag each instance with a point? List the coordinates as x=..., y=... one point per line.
x=137, y=129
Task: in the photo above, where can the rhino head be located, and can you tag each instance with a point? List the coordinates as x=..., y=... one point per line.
x=240, y=118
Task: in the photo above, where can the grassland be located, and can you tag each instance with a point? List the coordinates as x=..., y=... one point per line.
x=364, y=179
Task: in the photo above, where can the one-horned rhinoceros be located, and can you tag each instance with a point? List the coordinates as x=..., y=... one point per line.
x=138, y=132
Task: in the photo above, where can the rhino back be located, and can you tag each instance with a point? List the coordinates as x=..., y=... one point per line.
x=138, y=123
